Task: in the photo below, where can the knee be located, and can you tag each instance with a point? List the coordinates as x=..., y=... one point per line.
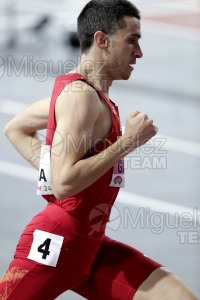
x=162, y=284
x=176, y=289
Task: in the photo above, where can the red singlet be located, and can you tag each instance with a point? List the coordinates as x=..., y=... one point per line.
x=99, y=196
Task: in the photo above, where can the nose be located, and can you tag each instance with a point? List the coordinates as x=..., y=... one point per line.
x=138, y=52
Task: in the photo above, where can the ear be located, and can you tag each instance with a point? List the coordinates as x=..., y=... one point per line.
x=101, y=39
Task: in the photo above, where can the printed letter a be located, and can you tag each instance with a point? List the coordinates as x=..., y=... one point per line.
x=42, y=175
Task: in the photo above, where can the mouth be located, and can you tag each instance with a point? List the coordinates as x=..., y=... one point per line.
x=131, y=65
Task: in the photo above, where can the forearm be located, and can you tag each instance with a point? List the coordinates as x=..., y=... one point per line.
x=22, y=130
x=70, y=172
x=72, y=180
x=28, y=146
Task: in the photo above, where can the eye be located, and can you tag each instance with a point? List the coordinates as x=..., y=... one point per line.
x=132, y=41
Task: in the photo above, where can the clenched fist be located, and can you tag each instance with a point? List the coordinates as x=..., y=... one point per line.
x=138, y=130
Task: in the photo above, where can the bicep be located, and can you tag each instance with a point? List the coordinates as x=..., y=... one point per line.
x=33, y=118
x=76, y=116
x=37, y=114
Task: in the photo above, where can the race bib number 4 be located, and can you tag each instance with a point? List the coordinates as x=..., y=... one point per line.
x=46, y=247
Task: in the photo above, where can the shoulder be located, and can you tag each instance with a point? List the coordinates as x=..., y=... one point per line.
x=79, y=98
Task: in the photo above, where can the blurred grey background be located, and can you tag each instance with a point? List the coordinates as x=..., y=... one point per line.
x=158, y=211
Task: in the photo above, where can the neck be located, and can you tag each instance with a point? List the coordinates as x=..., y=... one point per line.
x=95, y=71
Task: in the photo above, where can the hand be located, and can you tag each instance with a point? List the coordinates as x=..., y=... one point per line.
x=139, y=129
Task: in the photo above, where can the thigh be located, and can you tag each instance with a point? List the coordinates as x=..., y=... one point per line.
x=26, y=280
x=32, y=278
x=42, y=268
x=117, y=273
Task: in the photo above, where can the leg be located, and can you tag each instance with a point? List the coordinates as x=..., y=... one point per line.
x=26, y=280
x=117, y=273
x=122, y=272
x=162, y=284
x=38, y=276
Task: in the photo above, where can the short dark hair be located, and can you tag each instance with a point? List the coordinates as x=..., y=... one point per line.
x=103, y=15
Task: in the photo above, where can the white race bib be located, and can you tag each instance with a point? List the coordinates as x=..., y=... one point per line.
x=46, y=247
x=44, y=180
x=118, y=176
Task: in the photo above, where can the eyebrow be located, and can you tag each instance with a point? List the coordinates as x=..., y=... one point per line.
x=136, y=35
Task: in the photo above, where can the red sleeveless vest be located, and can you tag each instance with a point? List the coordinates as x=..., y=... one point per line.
x=94, y=203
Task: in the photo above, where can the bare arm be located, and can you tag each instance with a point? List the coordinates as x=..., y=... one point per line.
x=22, y=130
x=76, y=116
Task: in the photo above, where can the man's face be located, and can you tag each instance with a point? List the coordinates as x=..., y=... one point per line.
x=124, y=49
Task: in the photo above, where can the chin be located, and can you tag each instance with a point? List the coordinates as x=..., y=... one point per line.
x=122, y=76
x=126, y=76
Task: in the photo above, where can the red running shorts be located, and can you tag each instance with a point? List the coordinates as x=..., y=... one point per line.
x=94, y=266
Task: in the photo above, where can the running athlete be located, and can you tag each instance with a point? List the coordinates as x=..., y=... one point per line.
x=64, y=246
